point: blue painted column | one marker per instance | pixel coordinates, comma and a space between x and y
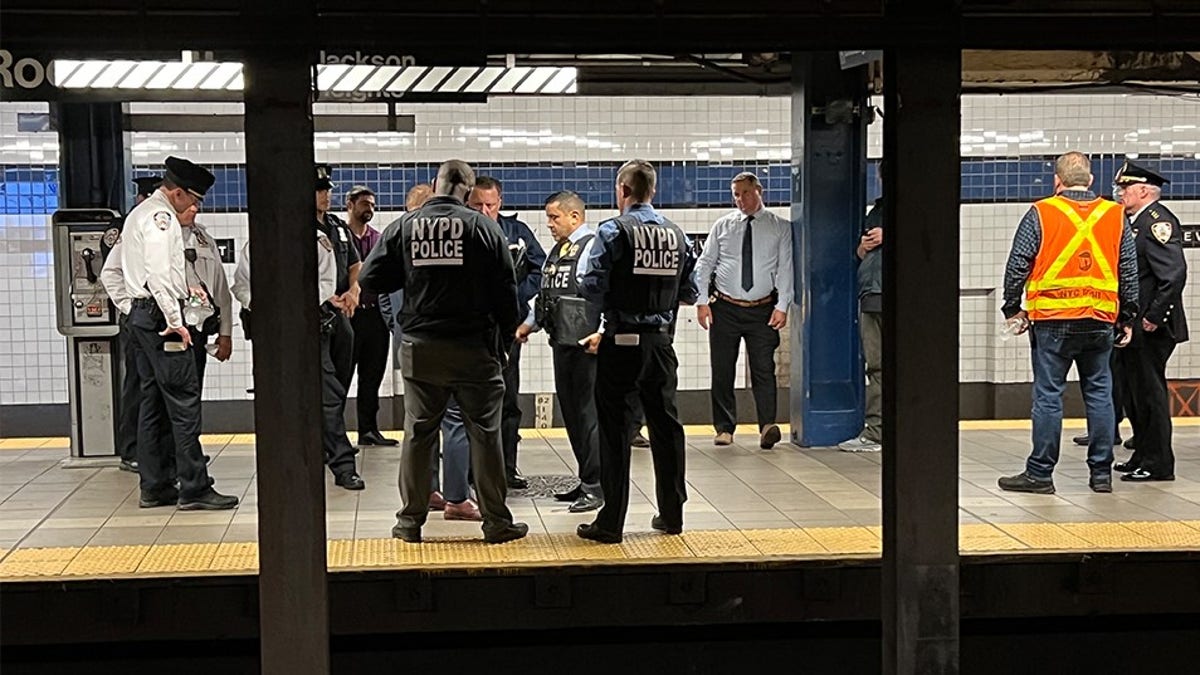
828, 206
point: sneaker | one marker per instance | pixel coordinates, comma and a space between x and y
129, 465
859, 444
1101, 484
150, 500
464, 511
723, 438
436, 501
209, 500
1023, 482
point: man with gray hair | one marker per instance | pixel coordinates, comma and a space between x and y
1074, 258
460, 306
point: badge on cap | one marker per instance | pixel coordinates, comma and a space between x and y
1161, 231
162, 220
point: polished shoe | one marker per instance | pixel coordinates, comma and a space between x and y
1100, 483
1023, 482
770, 436
723, 438
570, 495
660, 524
129, 465
1144, 476
1130, 444
209, 500
464, 511
510, 533
640, 441
517, 482
410, 534
585, 503
376, 438
436, 501
150, 500
593, 532
349, 480
1125, 467
1084, 439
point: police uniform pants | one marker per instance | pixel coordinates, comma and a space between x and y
646, 373
469, 370
1146, 373
371, 342
170, 396
339, 453
341, 346
575, 383
131, 395
510, 424
730, 325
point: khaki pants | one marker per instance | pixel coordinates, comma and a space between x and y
870, 327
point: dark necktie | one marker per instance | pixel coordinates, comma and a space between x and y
748, 256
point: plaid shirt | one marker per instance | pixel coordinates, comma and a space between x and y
1026, 244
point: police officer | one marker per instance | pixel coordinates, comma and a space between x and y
348, 266
153, 264
1161, 324
209, 308
460, 307
568, 318
639, 271
487, 197
339, 452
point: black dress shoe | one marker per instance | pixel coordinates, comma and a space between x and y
129, 465
585, 503
593, 532
1144, 476
517, 482
1023, 482
1125, 467
1085, 440
640, 441
510, 533
1129, 444
209, 500
376, 438
660, 524
410, 534
350, 480
150, 500
569, 495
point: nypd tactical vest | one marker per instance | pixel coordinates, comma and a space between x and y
647, 281
559, 308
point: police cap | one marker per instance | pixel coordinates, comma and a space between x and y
323, 177
146, 185
189, 176
1132, 174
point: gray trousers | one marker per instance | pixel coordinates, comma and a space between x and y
434, 370
870, 328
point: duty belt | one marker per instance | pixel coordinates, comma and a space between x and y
769, 300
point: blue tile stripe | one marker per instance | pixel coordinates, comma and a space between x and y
33, 189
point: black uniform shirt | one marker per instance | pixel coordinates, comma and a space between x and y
344, 251
454, 266
1162, 270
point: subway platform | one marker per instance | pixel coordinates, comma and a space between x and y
745, 504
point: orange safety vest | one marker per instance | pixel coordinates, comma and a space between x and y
1074, 274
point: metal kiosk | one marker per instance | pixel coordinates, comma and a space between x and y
88, 319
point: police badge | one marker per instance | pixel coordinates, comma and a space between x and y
162, 220
325, 242
111, 236
1161, 231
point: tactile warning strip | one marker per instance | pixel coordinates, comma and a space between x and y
637, 548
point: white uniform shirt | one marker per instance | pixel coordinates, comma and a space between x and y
152, 256
209, 271
326, 272
112, 277
772, 243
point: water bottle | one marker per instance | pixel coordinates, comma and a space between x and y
1011, 327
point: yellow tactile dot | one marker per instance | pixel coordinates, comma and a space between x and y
105, 560
239, 556
216, 440
1194, 524
646, 546
386, 553
171, 558
37, 562
569, 547
339, 553
846, 540
720, 544
1045, 536
784, 542
458, 551
990, 544
242, 439
1166, 534
1108, 535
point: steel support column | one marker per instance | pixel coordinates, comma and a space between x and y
920, 361
92, 155
293, 594
828, 205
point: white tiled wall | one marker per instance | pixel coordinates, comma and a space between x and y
32, 354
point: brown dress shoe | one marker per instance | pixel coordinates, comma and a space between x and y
723, 438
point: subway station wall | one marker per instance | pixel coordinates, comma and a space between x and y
536, 146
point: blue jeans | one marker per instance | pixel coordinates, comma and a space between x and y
1052, 358
456, 454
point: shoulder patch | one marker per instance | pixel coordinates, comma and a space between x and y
162, 220
342, 234
1161, 231
111, 236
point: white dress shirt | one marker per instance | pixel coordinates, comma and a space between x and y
326, 272
208, 270
152, 256
772, 242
